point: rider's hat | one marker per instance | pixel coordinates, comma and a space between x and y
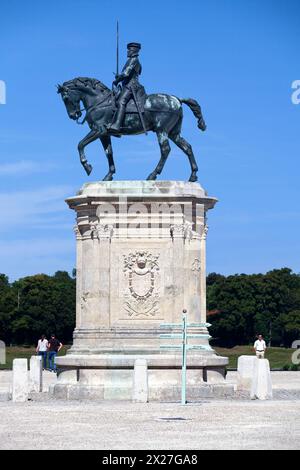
133, 45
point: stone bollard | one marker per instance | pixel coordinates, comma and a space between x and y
245, 369
36, 374
261, 387
140, 381
20, 380
2, 353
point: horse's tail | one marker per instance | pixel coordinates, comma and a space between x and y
195, 107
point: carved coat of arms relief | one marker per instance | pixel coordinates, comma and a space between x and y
141, 297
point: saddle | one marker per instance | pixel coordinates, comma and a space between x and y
131, 107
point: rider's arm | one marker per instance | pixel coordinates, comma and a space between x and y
128, 68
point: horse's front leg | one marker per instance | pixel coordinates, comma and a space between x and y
106, 142
90, 137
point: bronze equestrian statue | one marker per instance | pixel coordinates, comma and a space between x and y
128, 111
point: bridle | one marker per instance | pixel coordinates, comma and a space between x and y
90, 108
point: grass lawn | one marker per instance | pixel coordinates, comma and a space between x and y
21, 353
278, 357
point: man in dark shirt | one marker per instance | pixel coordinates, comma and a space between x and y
54, 346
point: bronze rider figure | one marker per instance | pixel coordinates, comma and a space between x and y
130, 80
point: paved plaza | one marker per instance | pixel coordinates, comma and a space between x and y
123, 425
236, 423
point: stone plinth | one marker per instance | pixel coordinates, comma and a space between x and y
245, 371
140, 381
261, 387
20, 380
140, 262
36, 374
2, 352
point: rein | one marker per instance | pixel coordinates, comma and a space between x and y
90, 108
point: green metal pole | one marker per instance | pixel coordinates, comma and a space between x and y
184, 336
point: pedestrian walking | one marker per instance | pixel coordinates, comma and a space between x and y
54, 346
41, 349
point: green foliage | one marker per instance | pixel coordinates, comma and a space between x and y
37, 305
241, 306
245, 305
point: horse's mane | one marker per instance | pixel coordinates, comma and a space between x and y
86, 81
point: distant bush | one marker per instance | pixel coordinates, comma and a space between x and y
292, 367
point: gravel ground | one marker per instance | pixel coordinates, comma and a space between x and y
234, 423
216, 424
282, 380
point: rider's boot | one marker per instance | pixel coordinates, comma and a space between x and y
115, 127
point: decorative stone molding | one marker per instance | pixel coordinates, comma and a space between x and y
83, 300
141, 296
204, 232
184, 230
196, 265
77, 232
101, 231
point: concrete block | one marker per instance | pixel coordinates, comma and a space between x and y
140, 381
245, 369
261, 387
20, 380
36, 374
2, 353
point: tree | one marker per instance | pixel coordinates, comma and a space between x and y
7, 305
47, 305
251, 304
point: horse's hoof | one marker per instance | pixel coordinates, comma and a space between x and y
202, 125
152, 177
108, 177
88, 168
193, 178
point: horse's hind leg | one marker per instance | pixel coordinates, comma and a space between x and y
106, 142
164, 151
187, 149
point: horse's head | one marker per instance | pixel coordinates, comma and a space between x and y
80, 89
71, 96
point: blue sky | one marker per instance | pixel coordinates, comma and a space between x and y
237, 58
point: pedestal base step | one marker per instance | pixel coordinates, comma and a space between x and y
162, 394
109, 377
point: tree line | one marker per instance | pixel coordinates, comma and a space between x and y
239, 307
242, 306
36, 305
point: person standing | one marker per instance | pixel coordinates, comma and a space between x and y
54, 346
260, 347
42, 348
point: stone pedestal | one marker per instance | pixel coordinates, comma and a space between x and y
36, 374
140, 381
261, 387
20, 380
140, 262
245, 371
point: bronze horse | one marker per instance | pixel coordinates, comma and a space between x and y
162, 114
